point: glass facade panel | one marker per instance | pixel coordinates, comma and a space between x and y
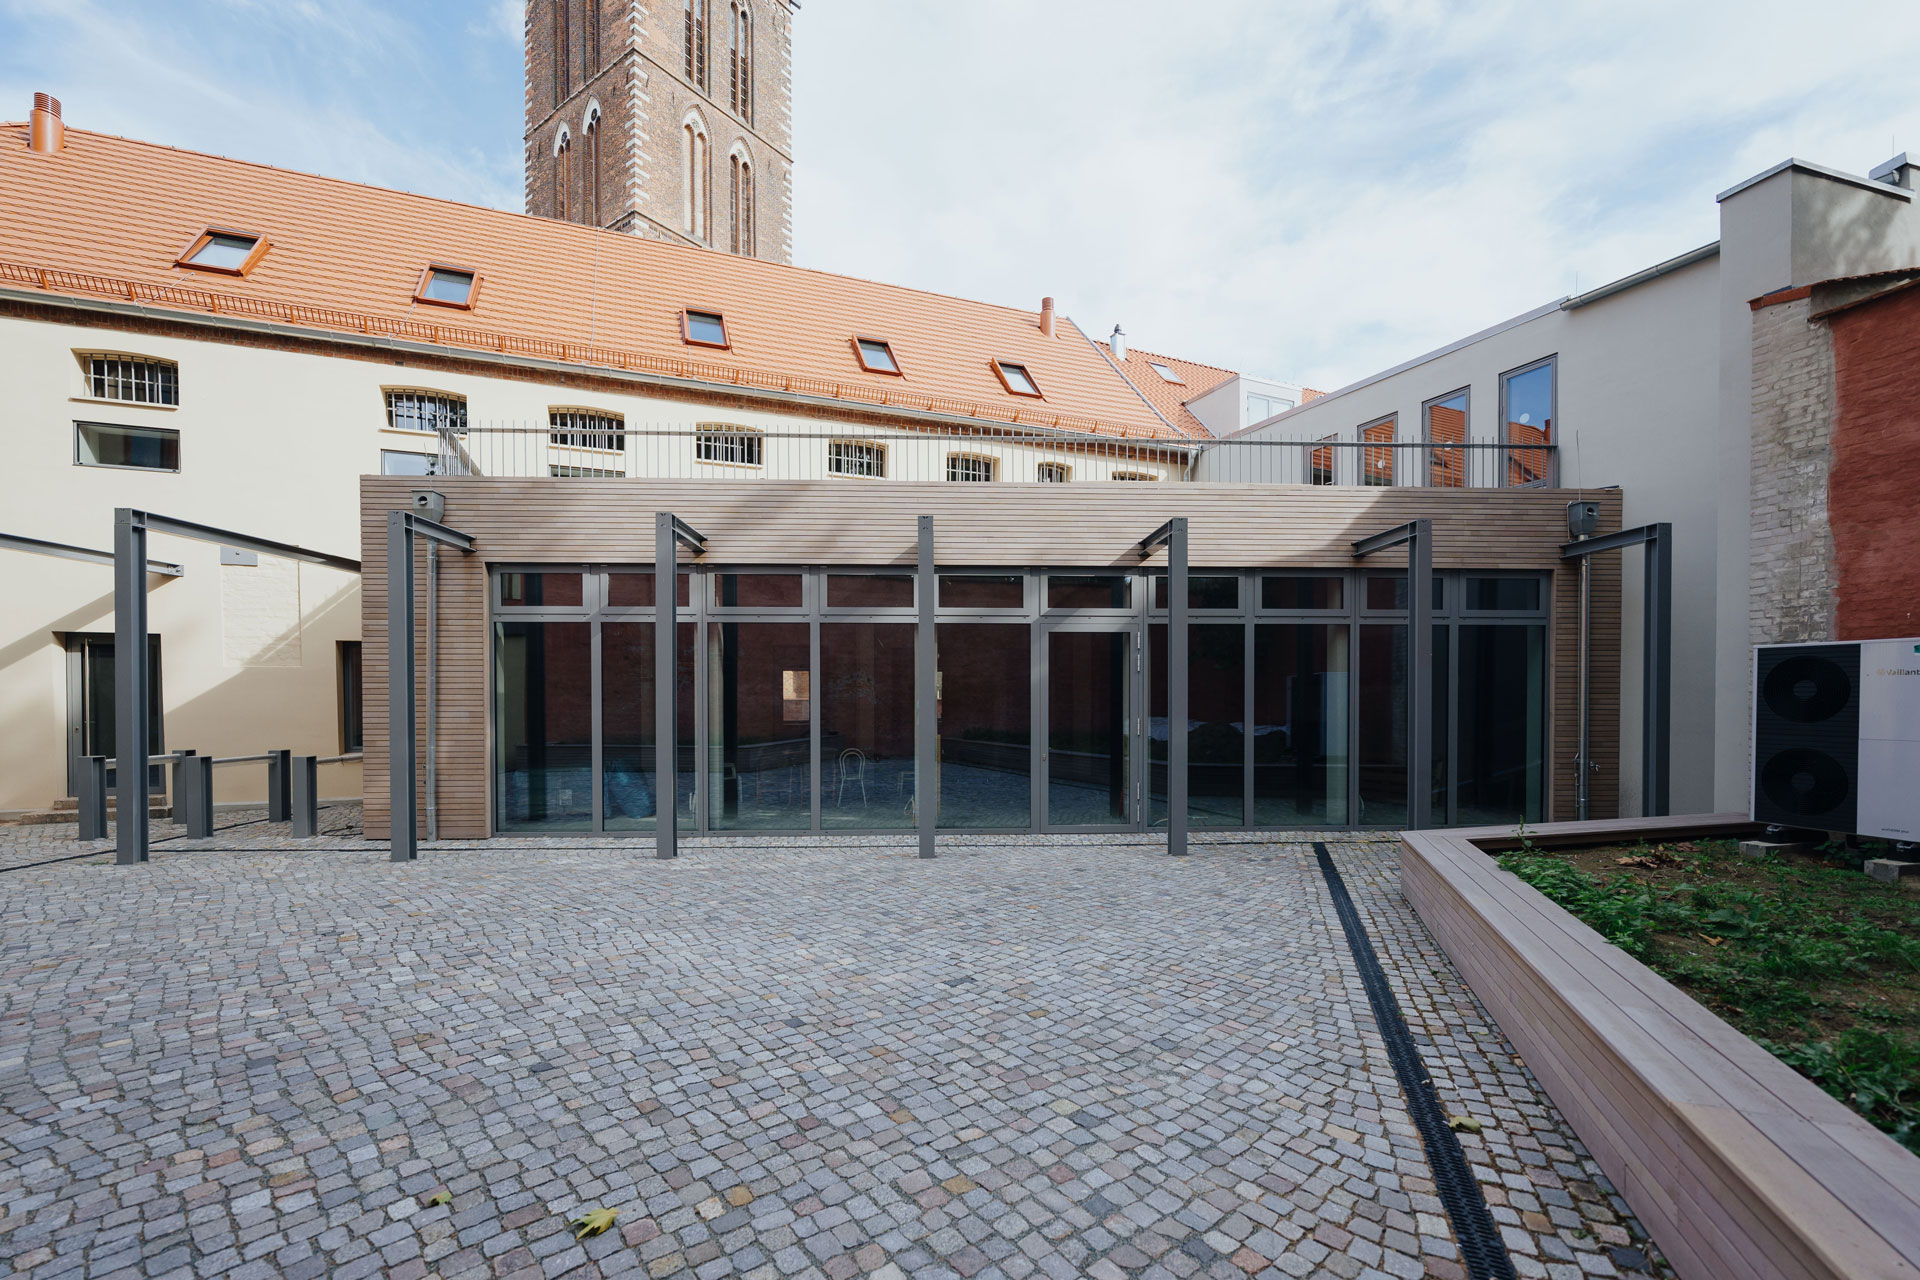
1528, 397
1502, 767
870, 591
1216, 723
1447, 426
1504, 595
986, 725
1301, 687
635, 590
1382, 753
628, 794
983, 591
529, 590
1089, 592
1089, 746
1384, 592
760, 726
866, 724
1210, 592
1302, 593
757, 590
543, 731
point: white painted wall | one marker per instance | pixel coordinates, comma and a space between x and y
1224, 409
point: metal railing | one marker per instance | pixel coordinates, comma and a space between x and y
731, 451
293, 793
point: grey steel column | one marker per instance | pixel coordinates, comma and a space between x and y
130, 681
93, 798
196, 791
303, 795
1657, 682
1420, 675
1176, 686
1583, 683
666, 715
279, 785
926, 702
403, 837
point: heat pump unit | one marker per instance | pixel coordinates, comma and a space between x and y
1836, 737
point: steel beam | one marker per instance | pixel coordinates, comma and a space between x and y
41, 547
1177, 664
246, 542
303, 794
1656, 686
130, 684
926, 684
1417, 535
195, 796
403, 837
279, 785
666, 712
93, 798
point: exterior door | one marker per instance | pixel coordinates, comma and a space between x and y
1090, 759
90, 716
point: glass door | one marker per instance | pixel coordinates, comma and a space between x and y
1090, 761
90, 708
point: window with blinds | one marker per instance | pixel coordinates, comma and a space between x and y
133, 380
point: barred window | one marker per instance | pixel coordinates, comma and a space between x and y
969, 467
1133, 475
133, 380
426, 411
853, 458
1053, 473
586, 429
555, 469
737, 445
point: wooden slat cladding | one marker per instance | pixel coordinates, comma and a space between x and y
1740, 1168
850, 522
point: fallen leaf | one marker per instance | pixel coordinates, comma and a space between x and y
593, 1222
1710, 940
1463, 1124
442, 1196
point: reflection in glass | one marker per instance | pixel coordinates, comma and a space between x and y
1300, 691
870, 591
986, 725
982, 591
1382, 756
866, 724
1216, 720
1390, 592
756, 590
1529, 420
543, 707
635, 590
1089, 592
760, 725
1213, 592
1502, 724
1504, 595
1447, 425
527, 589
1302, 593
628, 799
1089, 761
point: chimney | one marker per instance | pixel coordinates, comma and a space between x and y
46, 134
1118, 343
1046, 316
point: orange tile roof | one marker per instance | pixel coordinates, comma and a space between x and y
109, 215
1170, 398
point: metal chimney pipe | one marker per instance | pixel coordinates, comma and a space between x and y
46, 132
1046, 316
1118, 343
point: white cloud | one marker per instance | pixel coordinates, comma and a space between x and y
1314, 189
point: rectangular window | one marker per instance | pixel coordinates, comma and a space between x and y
1302, 593
586, 429
876, 356
757, 590
983, 591
703, 328
1053, 473
1016, 379
735, 446
969, 467
1216, 720
426, 411
1527, 408
133, 380
1211, 592
985, 697
543, 726
1320, 464
1260, 408
100, 444
1301, 688
1089, 592
1378, 459
1137, 476
1166, 373
599, 473
1504, 595
852, 458
350, 714
866, 725
1446, 428
447, 287
869, 591
532, 590
760, 744
231, 253
396, 463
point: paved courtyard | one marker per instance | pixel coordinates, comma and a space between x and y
260, 1057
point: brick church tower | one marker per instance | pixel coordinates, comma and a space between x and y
664, 118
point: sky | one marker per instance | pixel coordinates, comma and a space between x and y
1309, 189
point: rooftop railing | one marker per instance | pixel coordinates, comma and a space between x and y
587, 449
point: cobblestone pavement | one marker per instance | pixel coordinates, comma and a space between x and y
796, 1058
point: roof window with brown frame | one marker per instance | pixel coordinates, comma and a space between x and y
1016, 379
704, 329
444, 286
228, 252
876, 356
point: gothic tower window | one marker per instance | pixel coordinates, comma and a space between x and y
562, 50
740, 201
695, 40
740, 61
562, 179
699, 200
591, 54
590, 195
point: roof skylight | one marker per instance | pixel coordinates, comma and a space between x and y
1167, 373
1016, 379
447, 286
876, 356
704, 328
231, 253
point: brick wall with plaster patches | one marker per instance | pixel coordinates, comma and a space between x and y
1791, 580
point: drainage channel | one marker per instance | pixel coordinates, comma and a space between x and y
1481, 1247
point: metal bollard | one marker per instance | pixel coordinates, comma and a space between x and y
304, 794
92, 786
196, 796
279, 802
179, 781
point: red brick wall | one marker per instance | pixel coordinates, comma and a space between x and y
1871, 493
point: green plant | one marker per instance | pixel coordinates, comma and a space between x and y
1872, 1072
